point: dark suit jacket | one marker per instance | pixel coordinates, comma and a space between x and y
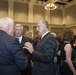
25, 51
43, 56
28, 71
11, 56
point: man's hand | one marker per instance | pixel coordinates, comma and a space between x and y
29, 47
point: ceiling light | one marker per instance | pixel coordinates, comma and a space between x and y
50, 6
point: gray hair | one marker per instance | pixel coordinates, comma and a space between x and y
45, 22
19, 25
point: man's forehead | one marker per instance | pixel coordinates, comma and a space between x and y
18, 27
40, 24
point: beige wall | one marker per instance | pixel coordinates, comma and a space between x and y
38, 13
20, 12
56, 17
3, 8
70, 15
57, 30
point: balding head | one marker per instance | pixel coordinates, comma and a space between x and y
44, 22
7, 25
42, 27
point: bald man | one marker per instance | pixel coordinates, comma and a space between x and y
43, 55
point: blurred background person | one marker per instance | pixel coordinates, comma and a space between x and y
43, 55
67, 56
22, 39
55, 58
54, 35
74, 49
12, 59
36, 40
28, 34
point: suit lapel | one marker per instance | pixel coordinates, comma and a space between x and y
45, 35
22, 39
43, 38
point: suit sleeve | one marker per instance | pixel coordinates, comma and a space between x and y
47, 52
18, 56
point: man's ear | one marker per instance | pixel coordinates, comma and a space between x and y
8, 28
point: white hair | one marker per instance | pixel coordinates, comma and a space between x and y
5, 20
7, 25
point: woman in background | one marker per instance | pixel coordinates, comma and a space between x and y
67, 56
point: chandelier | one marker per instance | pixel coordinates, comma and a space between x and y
50, 6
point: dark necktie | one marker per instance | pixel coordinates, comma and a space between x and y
18, 39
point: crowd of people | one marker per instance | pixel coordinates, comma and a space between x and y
21, 54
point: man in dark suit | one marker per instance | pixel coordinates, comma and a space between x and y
43, 55
12, 59
22, 40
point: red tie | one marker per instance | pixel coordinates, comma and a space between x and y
39, 40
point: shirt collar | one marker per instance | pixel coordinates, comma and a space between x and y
20, 38
3, 30
44, 34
